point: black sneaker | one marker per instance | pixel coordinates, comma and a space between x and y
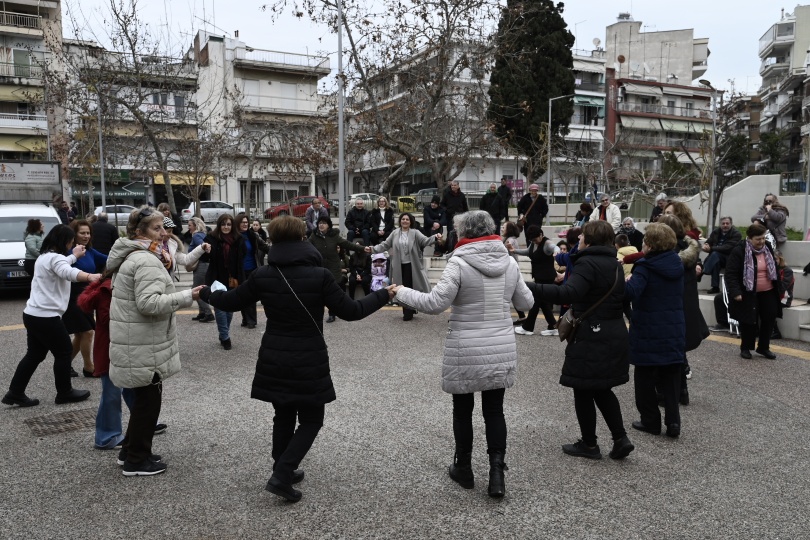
199, 316
19, 399
160, 428
276, 487
72, 397
208, 318
580, 449
621, 448
146, 468
122, 458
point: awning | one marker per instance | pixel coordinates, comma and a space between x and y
115, 193
643, 90
185, 179
679, 126
683, 158
589, 101
687, 92
590, 67
22, 94
15, 143
419, 169
635, 122
588, 135
640, 154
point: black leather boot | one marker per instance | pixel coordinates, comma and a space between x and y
497, 486
461, 470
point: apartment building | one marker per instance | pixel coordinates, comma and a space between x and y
274, 98
25, 26
784, 52
741, 116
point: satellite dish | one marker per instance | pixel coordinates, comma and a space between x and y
617, 66
596, 42
620, 58
634, 66
646, 68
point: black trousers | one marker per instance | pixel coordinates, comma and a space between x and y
407, 280
365, 283
249, 315
44, 335
667, 379
143, 416
290, 445
585, 403
494, 422
767, 309
546, 307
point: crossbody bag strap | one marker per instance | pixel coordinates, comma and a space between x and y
300, 302
596, 305
531, 206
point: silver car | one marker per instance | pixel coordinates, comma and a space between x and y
210, 211
116, 212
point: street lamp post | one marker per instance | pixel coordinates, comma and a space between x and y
341, 163
713, 186
548, 169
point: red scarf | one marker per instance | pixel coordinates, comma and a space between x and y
228, 241
465, 241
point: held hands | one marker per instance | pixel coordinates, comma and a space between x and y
438, 236
79, 251
195, 292
392, 290
367, 249
206, 247
92, 278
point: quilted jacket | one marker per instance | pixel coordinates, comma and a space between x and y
481, 282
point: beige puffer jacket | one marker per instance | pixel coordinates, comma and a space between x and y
143, 339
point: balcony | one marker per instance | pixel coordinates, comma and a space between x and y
663, 110
805, 131
587, 120
28, 124
280, 105
789, 104
806, 103
591, 87
780, 33
774, 65
21, 71
699, 68
20, 24
281, 61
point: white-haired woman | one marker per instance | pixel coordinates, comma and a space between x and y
198, 230
481, 282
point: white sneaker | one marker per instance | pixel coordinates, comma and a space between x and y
521, 331
554, 332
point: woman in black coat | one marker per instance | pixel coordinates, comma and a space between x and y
292, 371
596, 359
382, 221
226, 265
752, 281
327, 240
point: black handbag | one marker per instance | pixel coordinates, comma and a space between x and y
567, 326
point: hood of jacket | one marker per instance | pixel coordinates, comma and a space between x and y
489, 257
120, 251
688, 251
666, 264
294, 254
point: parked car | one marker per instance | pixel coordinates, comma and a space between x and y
299, 207
13, 221
116, 212
424, 196
210, 210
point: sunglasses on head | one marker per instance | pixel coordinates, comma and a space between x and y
146, 212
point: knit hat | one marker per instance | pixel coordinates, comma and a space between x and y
325, 219
534, 186
168, 224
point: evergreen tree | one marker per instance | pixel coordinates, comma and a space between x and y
533, 63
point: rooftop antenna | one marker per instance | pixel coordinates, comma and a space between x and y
596, 43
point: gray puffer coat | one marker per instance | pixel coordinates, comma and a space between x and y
143, 338
481, 282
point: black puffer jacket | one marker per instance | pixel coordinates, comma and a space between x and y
293, 364
598, 357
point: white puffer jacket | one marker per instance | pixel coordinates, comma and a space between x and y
143, 339
481, 281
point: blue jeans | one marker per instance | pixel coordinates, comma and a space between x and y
712, 266
109, 431
223, 323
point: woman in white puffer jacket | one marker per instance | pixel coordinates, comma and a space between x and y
481, 282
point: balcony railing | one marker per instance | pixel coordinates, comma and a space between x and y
789, 103
663, 142
20, 20
586, 120
276, 57
591, 87
598, 53
652, 108
35, 121
778, 32
20, 70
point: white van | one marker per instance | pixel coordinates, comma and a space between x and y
13, 222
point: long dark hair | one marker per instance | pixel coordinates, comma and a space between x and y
34, 226
217, 233
57, 239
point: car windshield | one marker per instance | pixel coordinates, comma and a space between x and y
12, 229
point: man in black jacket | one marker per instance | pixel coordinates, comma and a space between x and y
491, 203
104, 234
358, 223
505, 193
541, 251
454, 202
718, 246
532, 208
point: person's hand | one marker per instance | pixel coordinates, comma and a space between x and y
738, 298
706, 247
367, 249
79, 251
627, 277
92, 278
438, 236
195, 292
768, 207
206, 247
559, 278
392, 291
698, 270
358, 278
510, 248
436, 226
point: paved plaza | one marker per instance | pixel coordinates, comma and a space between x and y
379, 467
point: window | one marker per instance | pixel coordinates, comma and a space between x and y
160, 99
179, 106
289, 94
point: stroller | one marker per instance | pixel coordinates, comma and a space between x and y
733, 324
379, 272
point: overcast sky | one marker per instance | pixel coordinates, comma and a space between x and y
732, 26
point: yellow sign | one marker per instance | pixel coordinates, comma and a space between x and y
184, 179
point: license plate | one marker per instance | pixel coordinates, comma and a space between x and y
18, 273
